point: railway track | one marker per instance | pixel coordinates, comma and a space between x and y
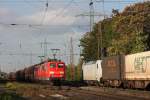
98, 95
73, 93
111, 96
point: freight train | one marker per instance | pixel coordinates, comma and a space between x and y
49, 70
127, 71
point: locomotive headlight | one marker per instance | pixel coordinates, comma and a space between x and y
51, 72
61, 72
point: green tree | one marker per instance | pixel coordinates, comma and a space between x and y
124, 33
68, 74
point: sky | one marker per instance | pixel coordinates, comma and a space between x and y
26, 24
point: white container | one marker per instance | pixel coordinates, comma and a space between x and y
92, 71
137, 66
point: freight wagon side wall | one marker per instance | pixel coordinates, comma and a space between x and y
111, 68
89, 72
137, 66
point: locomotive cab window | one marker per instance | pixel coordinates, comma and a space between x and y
52, 65
60, 65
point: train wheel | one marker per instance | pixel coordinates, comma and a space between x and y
148, 87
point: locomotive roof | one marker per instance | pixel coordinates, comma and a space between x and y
36, 65
49, 60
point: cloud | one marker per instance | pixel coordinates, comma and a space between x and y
7, 16
51, 18
56, 29
4, 12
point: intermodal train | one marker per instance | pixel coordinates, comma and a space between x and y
45, 71
127, 71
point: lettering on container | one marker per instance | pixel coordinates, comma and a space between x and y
140, 63
112, 65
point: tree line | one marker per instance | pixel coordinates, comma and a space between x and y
124, 32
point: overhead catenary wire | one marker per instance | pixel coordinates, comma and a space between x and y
45, 12
44, 16
121, 1
62, 11
37, 25
64, 1
30, 3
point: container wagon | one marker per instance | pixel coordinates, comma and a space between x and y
130, 71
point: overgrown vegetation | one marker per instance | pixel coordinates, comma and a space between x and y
11, 86
26, 89
76, 71
124, 33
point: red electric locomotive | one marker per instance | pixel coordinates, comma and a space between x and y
51, 70
45, 71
